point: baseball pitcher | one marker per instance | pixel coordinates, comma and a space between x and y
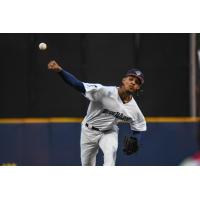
108, 106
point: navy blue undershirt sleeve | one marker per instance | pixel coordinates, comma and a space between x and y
138, 135
72, 81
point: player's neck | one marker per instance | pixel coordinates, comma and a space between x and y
125, 97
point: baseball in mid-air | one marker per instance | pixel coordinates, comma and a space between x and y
42, 46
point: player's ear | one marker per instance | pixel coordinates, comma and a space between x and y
138, 87
123, 79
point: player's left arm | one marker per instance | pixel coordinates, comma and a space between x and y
138, 129
137, 135
132, 143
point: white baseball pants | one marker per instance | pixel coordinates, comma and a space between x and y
92, 140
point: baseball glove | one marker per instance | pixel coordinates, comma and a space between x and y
130, 145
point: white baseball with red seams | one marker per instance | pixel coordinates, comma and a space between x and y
42, 46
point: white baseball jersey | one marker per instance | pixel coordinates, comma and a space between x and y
106, 109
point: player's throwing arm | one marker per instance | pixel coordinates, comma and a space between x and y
66, 76
108, 106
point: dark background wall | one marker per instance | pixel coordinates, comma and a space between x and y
29, 90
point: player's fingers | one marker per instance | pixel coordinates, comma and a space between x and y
51, 61
50, 67
51, 64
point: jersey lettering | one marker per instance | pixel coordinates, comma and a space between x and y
117, 115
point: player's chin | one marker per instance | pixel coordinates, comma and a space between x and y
131, 91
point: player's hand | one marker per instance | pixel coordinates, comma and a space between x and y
54, 66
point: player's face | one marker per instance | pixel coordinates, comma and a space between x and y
131, 84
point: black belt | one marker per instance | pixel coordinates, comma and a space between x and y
92, 127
